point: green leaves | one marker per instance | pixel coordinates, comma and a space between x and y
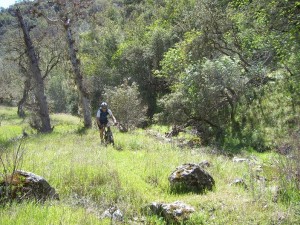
126, 104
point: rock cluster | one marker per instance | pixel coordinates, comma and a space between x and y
113, 213
173, 213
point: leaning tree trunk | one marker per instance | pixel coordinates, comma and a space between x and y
84, 97
39, 90
21, 103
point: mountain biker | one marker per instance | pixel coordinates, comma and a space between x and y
102, 120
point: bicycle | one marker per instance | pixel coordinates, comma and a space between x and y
108, 136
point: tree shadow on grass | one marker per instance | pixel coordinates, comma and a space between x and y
81, 130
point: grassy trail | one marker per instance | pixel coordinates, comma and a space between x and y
90, 177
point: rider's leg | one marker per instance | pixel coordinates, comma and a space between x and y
108, 126
101, 134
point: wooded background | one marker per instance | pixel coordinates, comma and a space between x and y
229, 69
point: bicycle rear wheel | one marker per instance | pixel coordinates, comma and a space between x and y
110, 138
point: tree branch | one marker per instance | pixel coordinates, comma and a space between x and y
50, 66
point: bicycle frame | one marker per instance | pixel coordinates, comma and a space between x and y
108, 136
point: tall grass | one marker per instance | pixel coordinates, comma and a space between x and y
31, 213
90, 177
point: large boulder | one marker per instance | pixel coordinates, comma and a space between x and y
25, 185
190, 177
173, 213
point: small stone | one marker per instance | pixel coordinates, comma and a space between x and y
204, 164
239, 182
238, 160
113, 213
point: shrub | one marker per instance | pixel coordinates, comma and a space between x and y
126, 103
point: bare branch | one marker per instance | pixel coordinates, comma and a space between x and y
53, 62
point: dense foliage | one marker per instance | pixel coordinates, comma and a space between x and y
127, 105
227, 68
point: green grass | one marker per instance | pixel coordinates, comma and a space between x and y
10, 125
34, 214
90, 177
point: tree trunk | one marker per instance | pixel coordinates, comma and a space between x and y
21, 112
84, 97
37, 78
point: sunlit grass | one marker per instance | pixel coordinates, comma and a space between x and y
10, 125
90, 177
36, 214
7, 132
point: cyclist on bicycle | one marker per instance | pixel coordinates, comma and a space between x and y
102, 120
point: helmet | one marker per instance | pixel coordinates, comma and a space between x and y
104, 105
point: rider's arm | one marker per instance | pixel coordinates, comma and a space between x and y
115, 121
112, 116
98, 116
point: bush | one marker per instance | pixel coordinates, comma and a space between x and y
207, 95
126, 104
